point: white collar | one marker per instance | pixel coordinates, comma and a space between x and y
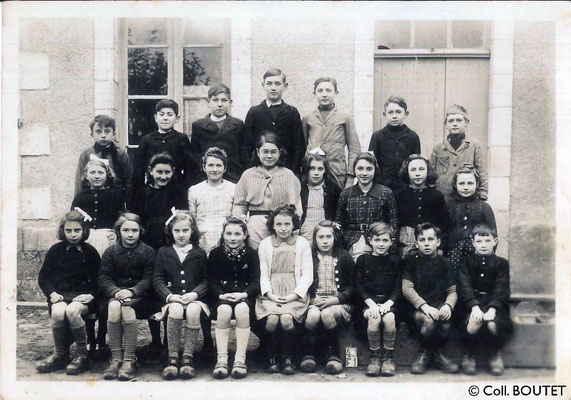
269, 103
217, 119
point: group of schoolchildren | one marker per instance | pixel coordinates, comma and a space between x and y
266, 223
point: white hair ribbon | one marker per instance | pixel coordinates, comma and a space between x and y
85, 215
173, 211
93, 157
317, 150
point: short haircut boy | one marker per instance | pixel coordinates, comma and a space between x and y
274, 72
396, 100
167, 103
426, 226
456, 109
215, 90
322, 79
484, 230
380, 228
103, 121
72, 216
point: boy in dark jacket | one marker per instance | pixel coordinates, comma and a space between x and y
220, 129
484, 290
275, 115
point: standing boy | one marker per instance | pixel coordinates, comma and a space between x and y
220, 129
164, 140
393, 144
449, 156
105, 147
275, 115
429, 284
332, 129
484, 290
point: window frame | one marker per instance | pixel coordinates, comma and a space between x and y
175, 56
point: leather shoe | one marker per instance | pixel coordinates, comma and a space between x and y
272, 367
239, 370
469, 364
287, 367
77, 365
187, 370
420, 365
445, 364
53, 363
112, 370
308, 364
128, 371
170, 372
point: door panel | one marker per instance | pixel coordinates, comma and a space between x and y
429, 86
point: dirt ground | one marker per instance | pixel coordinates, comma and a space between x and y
35, 343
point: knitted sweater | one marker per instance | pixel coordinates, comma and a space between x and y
284, 186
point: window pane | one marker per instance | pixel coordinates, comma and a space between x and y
141, 119
204, 31
147, 31
430, 35
392, 35
148, 71
468, 34
202, 66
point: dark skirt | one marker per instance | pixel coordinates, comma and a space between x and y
144, 306
249, 301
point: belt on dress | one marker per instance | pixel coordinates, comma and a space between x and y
259, 212
358, 227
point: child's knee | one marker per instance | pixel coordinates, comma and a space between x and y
328, 317
312, 319
193, 314
473, 327
73, 311
114, 311
224, 313
242, 312
286, 320
128, 313
272, 322
176, 310
389, 321
427, 327
58, 312
493, 328
372, 323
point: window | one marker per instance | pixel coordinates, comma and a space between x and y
170, 58
432, 38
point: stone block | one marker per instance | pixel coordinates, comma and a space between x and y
500, 126
35, 203
500, 158
501, 90
503, 227
104, 60
503, 30
34, 139
499, 192
502, 60
39, 238
104, 94
34, 71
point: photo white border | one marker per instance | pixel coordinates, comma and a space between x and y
559, 12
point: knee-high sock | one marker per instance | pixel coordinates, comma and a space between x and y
80, 336
389, 339
60, 342
115, 330
374, 339
193, 340
173, 334
130, 340
332, 340
222, 343
242, 337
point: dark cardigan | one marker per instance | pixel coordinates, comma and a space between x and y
69, 272
379, 278
344, 275
331, 193
431, 277
392, 146
123, 268
464, 215
230, 138
103, 206
287, 125
168, 276
225, 276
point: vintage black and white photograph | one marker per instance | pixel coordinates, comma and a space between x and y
285, 200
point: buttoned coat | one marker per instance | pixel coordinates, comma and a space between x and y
230, 138
170, 276
446, 161
332, 135
124, 268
